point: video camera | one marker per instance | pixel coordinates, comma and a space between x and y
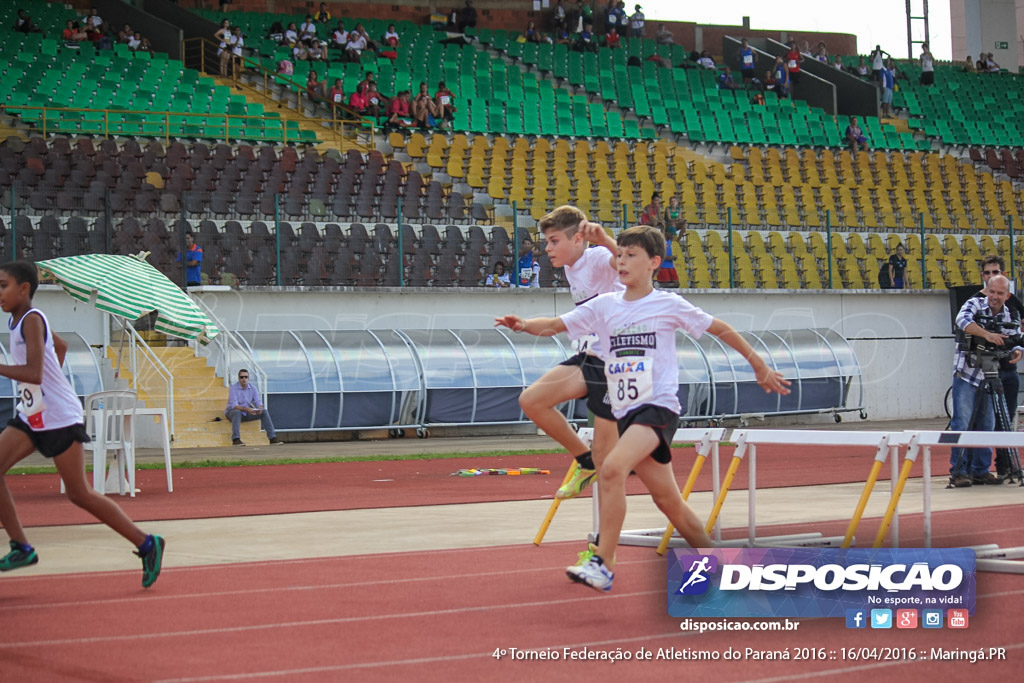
980, 348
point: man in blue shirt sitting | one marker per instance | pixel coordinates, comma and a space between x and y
244, 405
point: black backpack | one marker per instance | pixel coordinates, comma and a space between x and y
883, 276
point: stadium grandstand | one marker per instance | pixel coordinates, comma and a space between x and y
112, 144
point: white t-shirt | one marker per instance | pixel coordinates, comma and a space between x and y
639, 342
61, 406
340, 37
308, 30
291, 36
133, 43
238, 45
358, 43
876, 61
591, 276
94, 21
389, 35
927, 63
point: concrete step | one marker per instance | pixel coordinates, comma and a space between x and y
218, 434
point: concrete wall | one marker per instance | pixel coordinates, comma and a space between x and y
902, 339
68, 315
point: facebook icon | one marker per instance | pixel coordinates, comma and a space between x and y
856, 618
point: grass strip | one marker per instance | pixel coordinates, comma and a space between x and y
193, 464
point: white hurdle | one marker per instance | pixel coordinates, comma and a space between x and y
886, 445
706, 441
990, 557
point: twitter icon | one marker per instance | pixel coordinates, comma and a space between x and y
881, 618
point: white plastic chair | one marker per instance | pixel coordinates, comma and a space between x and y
110, 423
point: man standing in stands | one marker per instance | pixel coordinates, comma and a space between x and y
529, 269
636, 24
467, 18
888, 83
193, 261
793, 59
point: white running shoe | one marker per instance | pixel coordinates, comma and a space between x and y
593, 574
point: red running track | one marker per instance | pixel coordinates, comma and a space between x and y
438, 616
236, 491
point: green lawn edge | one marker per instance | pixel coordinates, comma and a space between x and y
191, 464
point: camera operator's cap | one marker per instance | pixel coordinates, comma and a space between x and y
638, 7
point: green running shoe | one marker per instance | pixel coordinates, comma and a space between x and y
18, 558
581, 480
584, 556
151, 562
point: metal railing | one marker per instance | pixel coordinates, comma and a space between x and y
226, 349
346, 126
146, 366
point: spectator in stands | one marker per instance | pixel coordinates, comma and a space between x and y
336, 95
300, 51
821, 54
585, 41
558, 18
611, 19
339, 36
898, 267
888, 84
862, 68
636, 23
746, 61
317, 50
391, 35
444, 103
364, 85
529, 268
725, 80
780, 76
706, 61
423, 110
398, 112
969, 65
357, 42
224, 5
316, 88
586, 16
993, 67
226, 49
855, 136
126, 33
675, 225
375, 101
531, 33
308, 28
837, 62
193, 261
135, 41
94, 20
467, 17
793, 60
877, 61
144, 46
357, 101
73, 33
927, 66
291, 36
622, 21
652, 213
498, 278
245, 405
222, 33
562, 37
664, 36
23, 23
613, 40
322, 16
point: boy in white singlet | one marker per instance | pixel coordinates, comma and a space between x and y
637, 329
590, 272
49, 419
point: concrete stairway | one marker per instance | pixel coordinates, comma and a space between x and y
199, 397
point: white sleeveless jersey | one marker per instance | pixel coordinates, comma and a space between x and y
62, 406
640, 341
590, 276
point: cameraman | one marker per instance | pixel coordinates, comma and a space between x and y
975, 464
991, 266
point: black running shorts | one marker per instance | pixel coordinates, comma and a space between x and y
52, 442
592, 368
662, 420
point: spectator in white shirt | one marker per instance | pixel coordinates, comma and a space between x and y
355, 46
308, 28
340, 36
291, 36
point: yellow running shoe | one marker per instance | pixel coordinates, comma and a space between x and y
581, 480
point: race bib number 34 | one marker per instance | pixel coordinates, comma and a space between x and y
630, 381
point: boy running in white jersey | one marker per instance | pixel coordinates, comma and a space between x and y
49, 419
637, 329
590, 272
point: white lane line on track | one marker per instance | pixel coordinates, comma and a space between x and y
306, 587
411, 662
311, 622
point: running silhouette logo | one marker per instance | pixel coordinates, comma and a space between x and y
697, 576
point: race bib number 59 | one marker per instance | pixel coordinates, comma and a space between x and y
630, 382
31, 403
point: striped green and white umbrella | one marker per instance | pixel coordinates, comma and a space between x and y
130, 287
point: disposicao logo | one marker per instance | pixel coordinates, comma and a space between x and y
818, 582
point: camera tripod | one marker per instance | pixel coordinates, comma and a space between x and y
991, 390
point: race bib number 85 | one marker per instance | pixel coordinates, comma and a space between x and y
630, 382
